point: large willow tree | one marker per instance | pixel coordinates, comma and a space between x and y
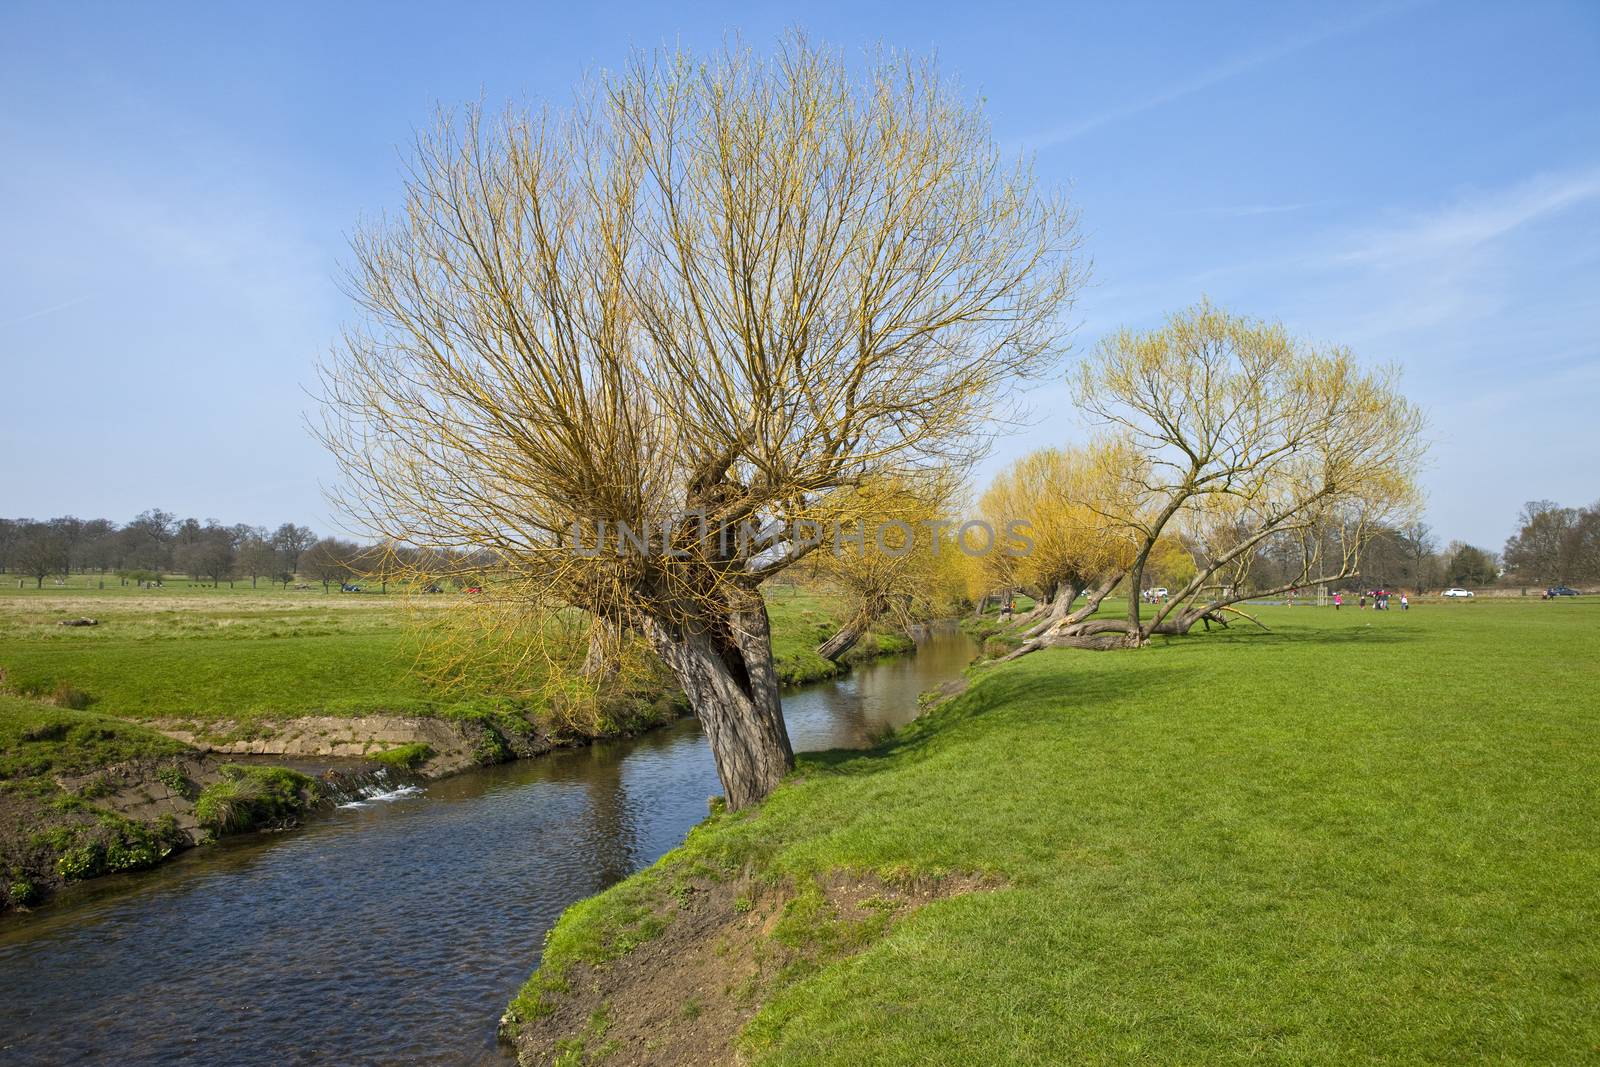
729, 289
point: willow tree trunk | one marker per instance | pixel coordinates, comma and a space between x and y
725, 666
1065, 594
845, 639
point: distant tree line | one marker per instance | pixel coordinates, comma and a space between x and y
152, 544
1555, 545
156, 543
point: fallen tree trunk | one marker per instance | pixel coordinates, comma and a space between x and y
1104, 634
1095, 643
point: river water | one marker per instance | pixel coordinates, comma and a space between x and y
395, 932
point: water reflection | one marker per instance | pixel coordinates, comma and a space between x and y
392, 933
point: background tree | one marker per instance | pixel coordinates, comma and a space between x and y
381, 563
221, 554
68, 530
147, 541
188, 558
148, 545
1547, 549
1245, 440
1171, 564
1586, 553
1422, 550
1469, 565
10, 534
290, 541
729, 288
888, 551
255, 557
330, 560
1066, 498
41, 551
98, 546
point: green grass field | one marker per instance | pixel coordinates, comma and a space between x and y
1362, 837
205, 655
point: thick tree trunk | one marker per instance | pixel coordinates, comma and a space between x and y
1057, 610
726, 670
1041, 605
836, 646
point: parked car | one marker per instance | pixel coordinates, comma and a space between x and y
1560, 590
1457, 592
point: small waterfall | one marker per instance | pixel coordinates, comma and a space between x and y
347, 789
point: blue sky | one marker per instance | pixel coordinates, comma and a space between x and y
1420, 181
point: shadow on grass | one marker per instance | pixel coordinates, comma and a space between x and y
1026, 692
1051, 685
1239, 635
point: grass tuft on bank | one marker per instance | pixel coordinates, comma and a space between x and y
1360, 837
252, 797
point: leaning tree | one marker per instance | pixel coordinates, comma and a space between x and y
605, 345
1241, 439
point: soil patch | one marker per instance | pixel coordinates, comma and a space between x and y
684, 996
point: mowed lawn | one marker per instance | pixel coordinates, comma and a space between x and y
1363, 837
240, 655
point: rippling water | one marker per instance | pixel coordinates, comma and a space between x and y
393, 932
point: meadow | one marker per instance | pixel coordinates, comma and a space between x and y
1361, 837
198, 654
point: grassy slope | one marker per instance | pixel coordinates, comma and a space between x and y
205, 655
38, 741
1363, 837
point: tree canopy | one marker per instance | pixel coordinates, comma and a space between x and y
709, 297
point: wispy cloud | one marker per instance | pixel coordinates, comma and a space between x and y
1474, 222
42, 312
1246, 211
1206, 79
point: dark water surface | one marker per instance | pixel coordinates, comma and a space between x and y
392, 933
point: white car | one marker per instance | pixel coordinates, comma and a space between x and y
1457, 592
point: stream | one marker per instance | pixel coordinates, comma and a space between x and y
393, 932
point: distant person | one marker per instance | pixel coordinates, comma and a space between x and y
1405, 602
1338, 601
1363, 602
